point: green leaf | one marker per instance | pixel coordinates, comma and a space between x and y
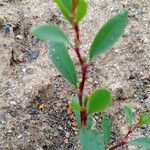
129, 114
88, 123
142, 142
91, 140
66, 9
145, 119
68, 5
82, 10
106, 126
108, 34
86, 100
50, 33
75, 105
99, 100
61, 59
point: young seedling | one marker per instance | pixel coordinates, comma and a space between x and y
84, 105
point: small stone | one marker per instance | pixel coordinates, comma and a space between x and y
19, 37
60, 128
131, 77
34, 111
66, 141
116, 50
25, 126
147, 102
1, 4
143, 127
2, 120
145, 97
67, 134
33, 54
13, 112
8, 29
124, 130
90, 80
38, 99
34, 41
24, 70
20, 136
13, 103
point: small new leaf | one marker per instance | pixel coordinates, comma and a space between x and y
145, 119
142, 142
108, 34
75, 105
61, 59
129, 114
91, 140
106, 126
82, 10
50, 33
67, 9
99, 100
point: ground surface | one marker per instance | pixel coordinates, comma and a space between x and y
28, 79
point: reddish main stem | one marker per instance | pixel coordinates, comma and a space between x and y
123, 141
84, 66
77, 43
83, 114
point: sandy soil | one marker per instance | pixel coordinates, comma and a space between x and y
33, 96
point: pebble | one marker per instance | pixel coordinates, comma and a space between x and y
38, 99
66, 141
19, 37
124, 129
1, 4
13, 103
147, 102
13, 112
2, 120
60, 128
90, 80
34, 41
131, 77
33, 54
8, 29
34, 111
67, 134
24, 70
20, 136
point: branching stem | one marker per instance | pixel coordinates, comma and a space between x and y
123, 140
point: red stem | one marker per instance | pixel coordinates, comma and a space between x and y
123, 140
84, 66
119, 144
77, 43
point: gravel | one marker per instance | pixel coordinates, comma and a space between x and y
34, 98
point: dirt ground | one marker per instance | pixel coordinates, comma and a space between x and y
33, 96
